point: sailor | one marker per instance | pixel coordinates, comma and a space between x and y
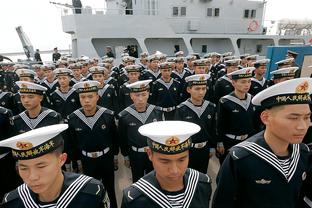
108, 63
92, 137
133, 74
35, 115
201, 112
283, 74
107, 93
216, 66
77, 77
285, 63
166, 92
9, 178
180, 73
228, 61
40, 75
85, 69
251, 59
236, 115
7, 76
24, 75
201, 66
143, 62
152, 72
56, 55
50, 82
122, 77
189, 62
269, 168
133, 145
258, 82
6, 99
171, 184
244, 62
39, 160
64, 99
224, 85
179, 54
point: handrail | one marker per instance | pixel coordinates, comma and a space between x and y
106, 11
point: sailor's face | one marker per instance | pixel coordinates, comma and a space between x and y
63, 81
26, 79
40, 72
201, 69
197, 92
154, 64
295, 119
133, 76
41, 173
30, 101
139, 98
260, 70
49, 74
88, 100
166, 73
98, 77
77, 73
242, 85
169, 169
179, 65
231, 68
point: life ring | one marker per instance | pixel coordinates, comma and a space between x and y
253, 26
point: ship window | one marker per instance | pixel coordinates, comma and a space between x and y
183, 11
209, 12
175, 11
217, 12
246, 13
253, 13
259, 48
204, 48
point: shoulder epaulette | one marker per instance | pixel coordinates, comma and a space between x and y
110, 112
204, 178
11, 196
238, 153
131, 193
93, 187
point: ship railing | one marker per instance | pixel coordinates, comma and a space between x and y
105, 11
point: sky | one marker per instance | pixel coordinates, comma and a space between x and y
41, 21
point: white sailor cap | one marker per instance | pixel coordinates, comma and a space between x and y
162, 56
199, 62
35, 143
178, 59
284, 62
105, 65
25, 73
71, 60
294, 91
197, 79
241, 73
36, 66
139, 86
229, 58
124, 54
169, 137
191, 57
144, 54
262, 62
173, 59
215, 54
153, 58
165, 65
30, 88
97, 70
74, 66
179, 53
244, 55
226, 54
86, 86
63, 72
133, 68
284, 72
252, 57
20, 66
232, 62
207, 55
292, 53
126, 59
48, 66
108, 60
